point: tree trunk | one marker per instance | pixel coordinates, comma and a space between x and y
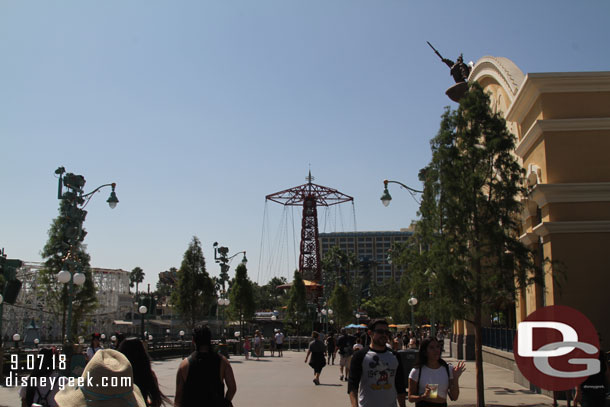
478, 350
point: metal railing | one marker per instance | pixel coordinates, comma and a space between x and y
499, 338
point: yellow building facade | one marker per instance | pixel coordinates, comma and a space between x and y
562, 123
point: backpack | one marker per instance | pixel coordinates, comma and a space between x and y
42, 400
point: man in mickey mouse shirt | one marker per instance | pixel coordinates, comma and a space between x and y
376, 376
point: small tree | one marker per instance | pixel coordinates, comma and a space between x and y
296, 310
194, 291
470, 216
341, 303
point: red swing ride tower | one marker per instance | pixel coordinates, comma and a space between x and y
310, 196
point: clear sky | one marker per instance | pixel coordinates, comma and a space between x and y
198, 109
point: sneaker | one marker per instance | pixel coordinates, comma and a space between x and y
341, 378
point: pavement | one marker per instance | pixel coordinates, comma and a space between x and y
287, 381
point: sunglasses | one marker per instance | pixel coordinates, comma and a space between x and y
382, 332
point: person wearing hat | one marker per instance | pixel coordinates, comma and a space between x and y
203, 375
107, 381
94, 347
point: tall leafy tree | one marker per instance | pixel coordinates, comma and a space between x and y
241, 295
337, 266
194, 291
136, 276
470, 216
65, 251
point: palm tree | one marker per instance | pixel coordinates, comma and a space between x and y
136, 277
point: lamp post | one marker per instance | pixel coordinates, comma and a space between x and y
223, 302
412, 302
357, 318
221, 256
75, 214
16, 339
182, 340
386, 197
327, 313
142, 310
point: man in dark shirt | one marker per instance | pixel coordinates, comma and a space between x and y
376, 375
203, 374
345, 347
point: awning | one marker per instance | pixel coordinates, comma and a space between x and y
159, 322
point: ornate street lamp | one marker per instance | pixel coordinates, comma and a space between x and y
73, 230
386, 197
223, 302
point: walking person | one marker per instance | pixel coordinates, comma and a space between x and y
247, 347
317, 350
330, 349
376, 377
432, 379
344, 346
592, 392
272, 345
258, 344
279, 343
40, 390
143, 375
203, 375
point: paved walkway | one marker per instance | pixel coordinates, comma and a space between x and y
287, 381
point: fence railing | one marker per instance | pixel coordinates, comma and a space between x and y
499, 338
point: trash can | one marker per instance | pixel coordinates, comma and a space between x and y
407, 360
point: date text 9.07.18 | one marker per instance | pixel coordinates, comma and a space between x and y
37, 362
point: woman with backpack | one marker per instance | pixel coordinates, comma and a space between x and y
432, 379
36, 392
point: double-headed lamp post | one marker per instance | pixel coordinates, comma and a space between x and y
75, 214
328, 313
412, 302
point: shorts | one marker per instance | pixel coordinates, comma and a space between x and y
344, 360
279, 346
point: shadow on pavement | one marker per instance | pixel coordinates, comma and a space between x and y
321, 384
504, 390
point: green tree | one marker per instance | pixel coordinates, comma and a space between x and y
241, 295
64, 250
194, 291
470, 214
268, 297
296, 310
167, 280
341, 303
136, 276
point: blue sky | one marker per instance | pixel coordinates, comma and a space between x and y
198, 109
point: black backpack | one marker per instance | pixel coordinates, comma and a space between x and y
42, 400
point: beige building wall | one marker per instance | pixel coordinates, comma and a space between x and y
562, 122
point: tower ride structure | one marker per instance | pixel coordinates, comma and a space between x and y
310, 196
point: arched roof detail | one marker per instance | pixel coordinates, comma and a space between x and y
501, 70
